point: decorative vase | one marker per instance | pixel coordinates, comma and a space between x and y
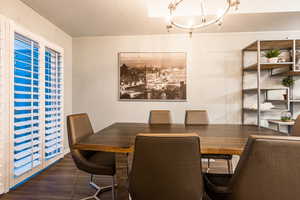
285, 96
273, 60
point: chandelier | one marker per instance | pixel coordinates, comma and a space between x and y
205, 20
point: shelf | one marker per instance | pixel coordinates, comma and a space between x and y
277, 101
270, 44
274, 121
271, 110
289, 73
284, 101
263, 89
295, 100
268, 66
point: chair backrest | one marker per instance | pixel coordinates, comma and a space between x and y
196, 117
166, 166
79, 126
296, 127
160, 117
269, 169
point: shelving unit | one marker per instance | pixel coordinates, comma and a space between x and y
280, 69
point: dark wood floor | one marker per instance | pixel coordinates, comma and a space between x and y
63, 181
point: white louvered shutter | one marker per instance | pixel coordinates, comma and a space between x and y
26, 105
53, 104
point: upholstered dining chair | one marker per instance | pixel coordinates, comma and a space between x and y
160, 117
94, 163
166, 166
196, 117
200, 117
269, 169
296, 128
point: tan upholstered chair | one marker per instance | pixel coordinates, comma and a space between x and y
166, 167
269, 169
94, 163
160, 117
196, 117
200, 117
296, 128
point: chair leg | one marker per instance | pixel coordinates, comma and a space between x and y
229, 166
208, 165
113, 188
99, 189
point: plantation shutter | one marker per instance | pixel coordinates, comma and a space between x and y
53, 104
27, 134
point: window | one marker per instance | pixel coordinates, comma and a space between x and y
53, 104
27, 134
31, 104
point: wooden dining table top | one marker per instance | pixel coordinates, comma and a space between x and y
214, 138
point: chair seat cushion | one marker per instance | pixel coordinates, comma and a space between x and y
216, 185
218, 179
217, 156
102, 163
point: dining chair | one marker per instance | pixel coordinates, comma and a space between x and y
196, 117
167, 166
268, 170
94, 163
200, 117
160, 117
296, 127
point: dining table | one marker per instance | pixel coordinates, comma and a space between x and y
120, 137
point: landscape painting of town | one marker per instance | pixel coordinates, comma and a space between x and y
152, 76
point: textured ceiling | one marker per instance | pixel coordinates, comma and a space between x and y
130, 17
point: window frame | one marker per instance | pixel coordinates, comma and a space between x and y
4, 104
43, 43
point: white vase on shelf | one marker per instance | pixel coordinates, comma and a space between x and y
273, 60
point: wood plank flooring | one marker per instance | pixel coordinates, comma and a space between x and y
63, 181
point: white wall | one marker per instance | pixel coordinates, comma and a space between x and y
32, 21
214, 75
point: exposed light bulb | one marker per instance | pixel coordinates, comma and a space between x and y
219, 13
169, 23
191, 23
169, 27
203, 11
234, 2
220, 22
237, 5
168, 19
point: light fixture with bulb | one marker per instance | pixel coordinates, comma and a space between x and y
191, 26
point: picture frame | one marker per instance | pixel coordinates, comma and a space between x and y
152, 76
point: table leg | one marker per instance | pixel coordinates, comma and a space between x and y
122, 176
289, 130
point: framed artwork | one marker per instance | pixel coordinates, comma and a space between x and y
152, 76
